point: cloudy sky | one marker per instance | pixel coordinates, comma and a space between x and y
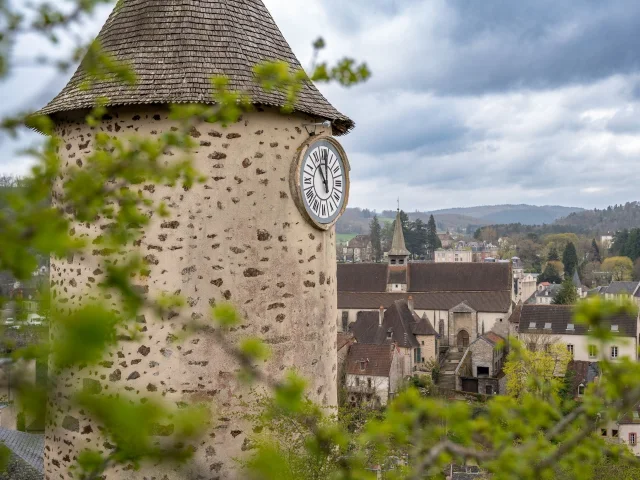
471, 102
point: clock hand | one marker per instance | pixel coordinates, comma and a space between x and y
326, 170
324, 176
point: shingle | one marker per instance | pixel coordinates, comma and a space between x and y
398, 320
561, 316
621, 288
176, 46
376, 360
362, 277
456, 277
479, 301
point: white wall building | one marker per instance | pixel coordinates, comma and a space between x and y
453, 256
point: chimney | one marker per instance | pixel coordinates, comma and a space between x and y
380, 316
410, 302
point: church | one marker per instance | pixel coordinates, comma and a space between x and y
462, 301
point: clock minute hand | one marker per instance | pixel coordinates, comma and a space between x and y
323, 175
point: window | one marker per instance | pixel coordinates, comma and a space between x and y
547, 326
369, 382
345, 321
570, 349
362, 365
357, 381
614, 352
488, 390
532, 347
417, 355
389, 334
632, 438
614, 433
422, 342
532, 325
603, 432
570, 327
593, 352
581, 390
483, 371
614, 328
393, 261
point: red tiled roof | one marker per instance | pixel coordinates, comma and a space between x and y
377, 359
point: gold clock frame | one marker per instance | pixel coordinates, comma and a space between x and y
296, 188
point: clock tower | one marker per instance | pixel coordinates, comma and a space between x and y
250, 235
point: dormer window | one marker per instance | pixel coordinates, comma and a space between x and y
614, 328
532, 325
581, 389
571, 327
389, 334
547, 326
363, 365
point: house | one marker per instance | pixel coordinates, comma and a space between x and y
524, 284
555, 323
625, 431
373, 373
481, 364
414, 337
343, 343
545, 293
457, 255
622, 290
358, 249
583, 374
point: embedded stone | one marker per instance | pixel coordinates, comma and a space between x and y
71, 424
133, 376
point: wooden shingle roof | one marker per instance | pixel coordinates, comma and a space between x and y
176, 46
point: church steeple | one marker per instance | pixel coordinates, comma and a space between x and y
398, 253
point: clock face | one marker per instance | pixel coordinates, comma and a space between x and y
323, 181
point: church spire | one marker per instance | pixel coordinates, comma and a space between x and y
398, 253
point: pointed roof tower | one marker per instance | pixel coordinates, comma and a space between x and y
176, 46
398, 249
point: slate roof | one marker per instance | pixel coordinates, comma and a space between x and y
362, 277
398, 275
621, 288
28, 446
176, 46
398, 248
398, 320
426, 277
424, 327
377, 360
584, 373
550, 291
458, 277
479, 301
535, 317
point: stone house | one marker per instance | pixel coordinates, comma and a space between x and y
415, 338
373, 373
622, 290
626, 430
555, 323
482, 362
359, 249
545, 293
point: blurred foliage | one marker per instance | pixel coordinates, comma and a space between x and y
525, 436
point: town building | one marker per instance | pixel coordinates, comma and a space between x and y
358, 249
448, 256
481, 365
626, 430
546, 324
415, 338
240, 236
622, 291
373, 373
545, 293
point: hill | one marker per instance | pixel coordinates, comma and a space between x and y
610, 219
356, 220
523, 214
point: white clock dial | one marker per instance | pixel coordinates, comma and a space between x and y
323, 182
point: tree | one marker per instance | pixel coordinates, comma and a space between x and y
433, 241
620, 268
550, 274
570, 259
419, 234
387, 235
375, 231
489, 235
567, 295
536, 356
553, 254
636, 270
595, 252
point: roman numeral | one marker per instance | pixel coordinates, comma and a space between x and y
336, 169
324, 209
309, 194
315, 157
336, 196
308, 181
337, 182
316, 205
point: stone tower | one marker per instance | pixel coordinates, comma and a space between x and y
239, 237
398, 254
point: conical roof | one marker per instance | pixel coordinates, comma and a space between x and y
398, 247
176, 46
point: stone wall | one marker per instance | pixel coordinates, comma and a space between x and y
18, 469
237, 238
